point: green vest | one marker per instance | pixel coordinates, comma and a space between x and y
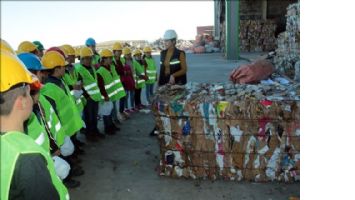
69, 115
53, 122
89, 82
113, 85
37, 132
13, 144
151, 71
95, 59
139, 70
71, 79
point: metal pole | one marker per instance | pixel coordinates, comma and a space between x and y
232, 29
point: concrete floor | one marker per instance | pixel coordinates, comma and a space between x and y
124, 166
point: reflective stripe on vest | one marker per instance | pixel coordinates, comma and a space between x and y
112, 81
16, 144
66, 107
89, 82
40, 139
52, 121
174, 62
37, 131
138, 70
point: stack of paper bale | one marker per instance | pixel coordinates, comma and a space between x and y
288, 44
257, 35
227, 131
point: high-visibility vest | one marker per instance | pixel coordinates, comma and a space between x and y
52, 120
89, 82
95, 60
37, 132
139, 70
14, 144
71, 78
68, 113
112, 81
151, 71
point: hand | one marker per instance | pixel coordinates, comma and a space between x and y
107, 99
56, 153
172, 80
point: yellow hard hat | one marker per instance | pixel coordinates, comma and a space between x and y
77, 52
13, 72
85, 52
147, 49
106, 53
136, 52
117, 46
68, 49
26, 47
52, 59
6, 47
126, 50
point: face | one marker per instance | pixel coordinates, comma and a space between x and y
117, 53
138, 57
168, 44
93, 48
128, 56
108, 61
42, 75
148, 54
40, 53
86, 61
71, 59
60, 71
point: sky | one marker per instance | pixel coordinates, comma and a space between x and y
72, 22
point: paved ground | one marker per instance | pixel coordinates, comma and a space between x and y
123, 166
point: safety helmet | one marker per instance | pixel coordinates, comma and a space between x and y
57, 49
68, 49
147, 49
170, 34
26, 47
90, 42
136, 52
126, 50
12, 72
86, 52
117, 46
52, 59
6, 47
106, 53
31, 61
39, 45
77, 52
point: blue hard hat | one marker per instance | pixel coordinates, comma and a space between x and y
90, 42
31, 61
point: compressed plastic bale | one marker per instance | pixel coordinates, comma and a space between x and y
211, 150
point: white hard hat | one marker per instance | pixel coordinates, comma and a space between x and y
170, 34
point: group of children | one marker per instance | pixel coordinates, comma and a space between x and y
69, 98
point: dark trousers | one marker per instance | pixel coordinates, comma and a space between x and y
90, 115
122, 103
107, 121
137, 97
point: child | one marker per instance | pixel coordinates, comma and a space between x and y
18, 181
128, 79
110, 87
150, 71
139, 78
